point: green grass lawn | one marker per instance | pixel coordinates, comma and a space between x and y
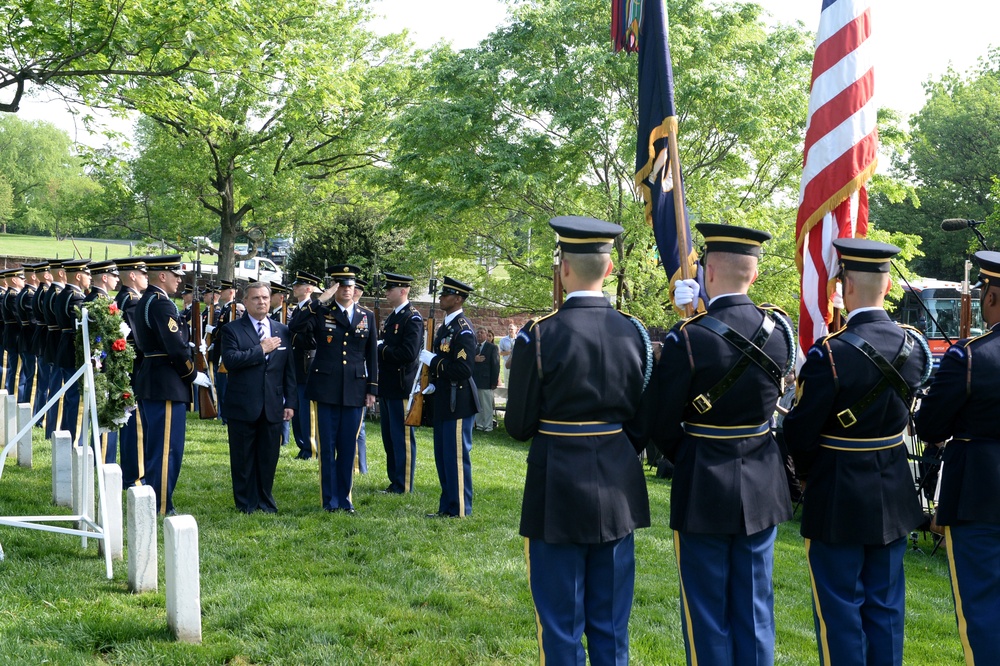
386, 586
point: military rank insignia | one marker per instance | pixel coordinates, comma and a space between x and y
329, 339
172, 326
462, 354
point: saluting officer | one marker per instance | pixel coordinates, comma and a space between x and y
576, 383
343, 380
718, 380
23, 307
450, 367
64, 306
134, 279
304, 350
399, 346
961, 409
163, 383
854, 395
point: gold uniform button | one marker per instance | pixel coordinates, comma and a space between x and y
345, 361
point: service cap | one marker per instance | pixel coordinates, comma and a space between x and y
732, 239
585, 235
453, 286
396, 280
865, 256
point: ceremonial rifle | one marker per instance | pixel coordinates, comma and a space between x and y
415, 408
207, 406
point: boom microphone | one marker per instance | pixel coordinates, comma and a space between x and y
959, 225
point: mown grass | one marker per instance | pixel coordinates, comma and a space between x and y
387, 586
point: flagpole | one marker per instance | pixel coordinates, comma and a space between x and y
680, 214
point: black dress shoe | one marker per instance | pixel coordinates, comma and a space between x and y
350, 511
303, 456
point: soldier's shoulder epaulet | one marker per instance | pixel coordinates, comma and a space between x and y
830, 336
464, 324
534, 322
632, 317
772, 308
412, 311
977, 338
691, 319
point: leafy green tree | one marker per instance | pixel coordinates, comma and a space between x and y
540, 120
6, 202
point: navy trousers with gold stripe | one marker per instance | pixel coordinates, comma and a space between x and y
973, 552
452, 448
26, 377
302, 425
582, 589
858, 602
400, 443
42, 390
337, 431
55, 383
727, 600
13, 365
163, 426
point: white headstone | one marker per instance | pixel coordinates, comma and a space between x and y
9, 423
24, 446
183, 580
62, 468
141, 523
3, 418
113, 496
83, 483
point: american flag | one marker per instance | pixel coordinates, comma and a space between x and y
840, 156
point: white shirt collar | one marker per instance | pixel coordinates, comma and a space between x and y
579, 294
400, 308
449, 318
858, 310
715, 298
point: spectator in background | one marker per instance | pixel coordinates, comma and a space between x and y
506, 347
486, 375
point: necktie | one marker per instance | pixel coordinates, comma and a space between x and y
261, 332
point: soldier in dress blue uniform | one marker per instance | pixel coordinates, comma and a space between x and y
576, 383
64, 307
961, 409
718, 381
41, 333
304, 349
343, 380
227, 312
23, 305
455, 402
279, 311
845, 432
162, 385
12, 327
361, 454
134, 279
399, 346
104, 280
52, 339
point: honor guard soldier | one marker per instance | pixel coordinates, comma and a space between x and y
304, 350
455, 403
103, 282
41, 333
845, 432
23, 305
12, 327
961, 409
576, 383
278, 311
226, 313
134, 279
52, 339
361, 457
343, 380
399, 347
186, 294
162, 386
718, 380
64, 306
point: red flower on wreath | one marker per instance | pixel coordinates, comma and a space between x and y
118, 345
126, 395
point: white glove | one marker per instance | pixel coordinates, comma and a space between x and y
426, 357
201, 379
686, 292
379, 343
837, 299
429, 390
201, 348
190, 344
208, 329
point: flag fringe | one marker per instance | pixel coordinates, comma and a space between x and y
668, 126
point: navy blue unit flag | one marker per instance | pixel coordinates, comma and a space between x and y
657, 165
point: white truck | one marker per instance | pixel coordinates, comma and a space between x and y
253, 269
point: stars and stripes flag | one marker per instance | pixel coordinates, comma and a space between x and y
839, 156
642, 25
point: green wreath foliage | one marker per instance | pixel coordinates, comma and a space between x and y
112, 359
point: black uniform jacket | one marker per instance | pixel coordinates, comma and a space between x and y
223, 315
451, 370
258, 384
166, 372
964, 404
720, 486
345, 368
854, 497
126, 299
24, 305
64, 306
38, 317
11, 321
303, 346
402, 340
579, 489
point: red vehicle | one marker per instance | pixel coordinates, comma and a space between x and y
940, 322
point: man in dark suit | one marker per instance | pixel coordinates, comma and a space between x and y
134, 279
576, 380
400, 344
455, 401
961, 409
716, 387
258, 352
845, 433
486, 375
303, 349
343, 380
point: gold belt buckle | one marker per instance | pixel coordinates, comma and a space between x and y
702, 404
846, 418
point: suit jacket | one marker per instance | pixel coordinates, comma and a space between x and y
854, 497
579, 489
402, 340
451, 371
720, 486
486, 373
257, 384
166, 371
345, 368
962, 404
